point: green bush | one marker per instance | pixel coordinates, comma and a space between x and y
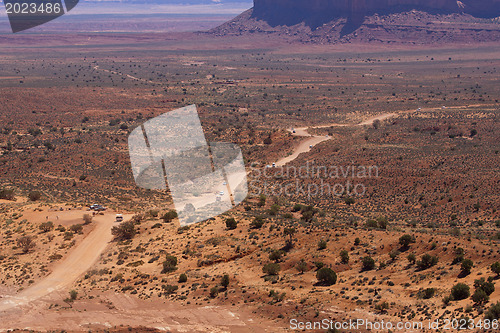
460, 291
214, 291
126, 230
275, 255
495, 268
170, 264
326, 276
302, 266
487, 286
367, 263
427, 261
271, 269
412, 258
7, 194
34, 195
169, 216
466, 267
224, 282
257, 223
170, 289
426, 293
231, 223
493, 312
480, 297
405, 241
46, 226
183, 278
322, 244
344, 256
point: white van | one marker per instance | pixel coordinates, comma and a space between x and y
119, 218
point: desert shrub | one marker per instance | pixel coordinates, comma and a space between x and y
277, 297
46, 226
371, 224
214, 291
73, 294
405, 241
288, 233
274, 209
466, 267
224, 282
322, 244
394, 254
344, 256
297, 207
326, 276
153, 213
126, 230
231, 223
480, 297
426, 293
117, 277
458, 259
257, 223
349, 201
114, 122
493, 312
169, 216
319, 265
87, 219
302, 266
68, 235
382, 222
76, 228
26, 243
34, 196
183, 278
271, 269
357, 241
412, 258
427, 261
275, 255
170, 264
7, 194
382, 307
460, 291
495, 268
368, 263
487, 286
170, 289
307, 214
262, 200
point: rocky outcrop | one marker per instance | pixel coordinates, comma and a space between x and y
385, 21
317, 12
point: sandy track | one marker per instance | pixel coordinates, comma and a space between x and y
306, 145
71, 268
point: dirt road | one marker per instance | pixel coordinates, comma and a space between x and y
306, 145
78, 261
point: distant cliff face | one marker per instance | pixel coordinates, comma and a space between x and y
317, 12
